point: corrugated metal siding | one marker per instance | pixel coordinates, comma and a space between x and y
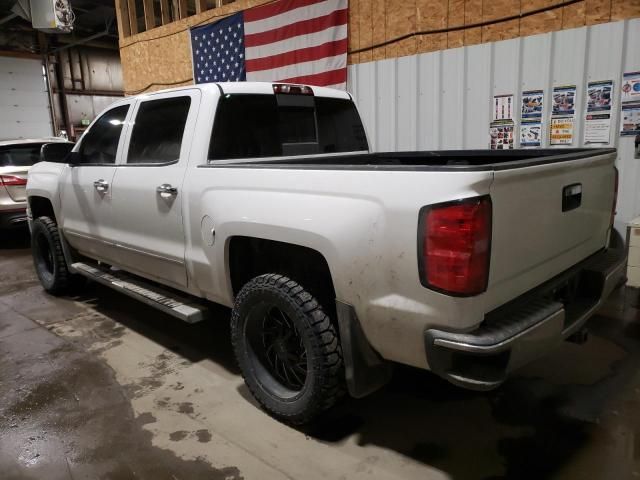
24, 102
442, 100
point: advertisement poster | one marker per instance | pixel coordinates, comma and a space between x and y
503, 107
530, 134
631, 87
561, 131
597, 127
501, 135
599, 96
532, 104
630, 119
564, 100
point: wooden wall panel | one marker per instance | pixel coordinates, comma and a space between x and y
378, 27
472, 14
496, 9
621, 9
431, 15
353, 30
574, 16
541, 22
456, 19
598, 11
162, 54
400, 20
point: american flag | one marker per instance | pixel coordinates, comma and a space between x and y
296, 41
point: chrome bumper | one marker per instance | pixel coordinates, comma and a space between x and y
526, 328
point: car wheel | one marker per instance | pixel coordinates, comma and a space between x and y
48, 258
287, 349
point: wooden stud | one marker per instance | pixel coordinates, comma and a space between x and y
133, 16
122, 17
573, 16
183, 8
378, 23
456, 19
165, 13
201, 6
431, 15
365, 28
149, 15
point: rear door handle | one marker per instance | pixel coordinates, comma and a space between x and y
101, 185
166, 189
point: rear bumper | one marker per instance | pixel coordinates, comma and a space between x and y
13, 218
526, 328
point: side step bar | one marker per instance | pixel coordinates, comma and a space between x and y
173, 303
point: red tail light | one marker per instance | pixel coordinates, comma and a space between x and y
12, 181
615, 196
455, 246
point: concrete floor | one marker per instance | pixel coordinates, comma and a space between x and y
100, 386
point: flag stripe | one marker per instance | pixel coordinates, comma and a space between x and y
301, 41
304, 27
299, 69
321, 79
276, 8
292, 16
318, 52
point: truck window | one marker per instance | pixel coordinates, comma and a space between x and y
255, 125
158, 130
100, 144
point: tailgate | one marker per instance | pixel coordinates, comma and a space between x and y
546, 218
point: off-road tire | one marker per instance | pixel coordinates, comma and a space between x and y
324, 382
50, 265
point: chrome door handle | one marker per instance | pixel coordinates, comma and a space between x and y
101, 185
167, 189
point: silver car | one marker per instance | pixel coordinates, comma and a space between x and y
16, 157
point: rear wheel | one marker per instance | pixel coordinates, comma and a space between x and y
287, 349
48, 257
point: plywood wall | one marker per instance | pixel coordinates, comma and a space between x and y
161, 57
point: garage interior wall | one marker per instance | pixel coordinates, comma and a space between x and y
92, 80
160, 57
24, 99
442, 100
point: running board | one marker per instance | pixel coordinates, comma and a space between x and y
179, 306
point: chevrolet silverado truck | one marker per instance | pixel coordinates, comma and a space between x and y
337, 262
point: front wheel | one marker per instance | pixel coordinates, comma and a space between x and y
48, 258
287, 349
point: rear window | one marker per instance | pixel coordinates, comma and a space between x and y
254, 126
20, 155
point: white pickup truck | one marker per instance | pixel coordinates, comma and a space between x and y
337, 262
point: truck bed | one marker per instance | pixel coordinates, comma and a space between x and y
440, 160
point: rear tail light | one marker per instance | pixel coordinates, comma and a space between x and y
292, 89
455, 246
615, 195
12, 181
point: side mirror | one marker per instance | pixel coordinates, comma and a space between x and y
56, 152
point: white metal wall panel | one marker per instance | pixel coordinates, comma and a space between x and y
24, 102
442, 100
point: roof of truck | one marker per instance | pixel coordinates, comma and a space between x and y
251, 87
23, 141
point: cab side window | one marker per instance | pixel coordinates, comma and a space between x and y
158, 131
100, 143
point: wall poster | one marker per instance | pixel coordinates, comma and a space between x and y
597, 122
561, 131
564, 100
599, 96
630, 87
630, 119
530, 134
501, 135
502, 107
532, 104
